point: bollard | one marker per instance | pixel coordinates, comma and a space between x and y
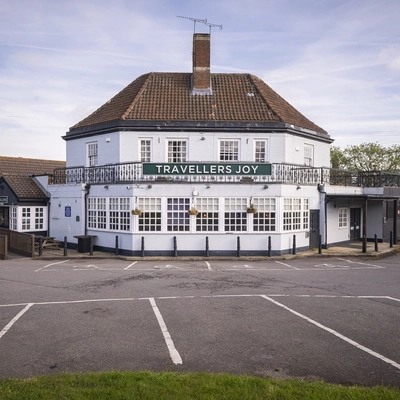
269, 246
207, 248
40, 246
142, 247
391, 239
376, 242
65, 246
116, 245
364, 244
294, 244
238, 247
319, 244
91, 245
175, 247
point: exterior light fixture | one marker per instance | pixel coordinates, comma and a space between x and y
265, 186
106, 187
298, 187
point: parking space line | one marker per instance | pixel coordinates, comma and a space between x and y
131, 265
287, 265
361, 263
15, 319
176, 358
208, 265
49, 265
333, 332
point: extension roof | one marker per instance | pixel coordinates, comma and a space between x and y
24, 187
237, 101
28, 166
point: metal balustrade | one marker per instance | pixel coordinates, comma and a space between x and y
280, 173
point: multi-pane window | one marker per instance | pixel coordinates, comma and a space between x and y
207, 218
342, 217
260, 151
178, 218
308, 154
119, 214
306, 214
39, 218
235, 218
265, 218
294, 210
13, 219
229, 150
97, 213
177, 151
26, 218
92, 154
145, 150
150, 219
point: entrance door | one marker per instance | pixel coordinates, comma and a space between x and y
4, 217
355, 223
314, 229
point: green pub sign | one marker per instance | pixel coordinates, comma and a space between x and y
206, 169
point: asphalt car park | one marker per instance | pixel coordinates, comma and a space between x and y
333, 319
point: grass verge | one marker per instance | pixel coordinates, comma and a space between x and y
174, 386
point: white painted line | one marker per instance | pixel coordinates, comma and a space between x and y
131, 265
337, 334
176, 358
49, 265
15, 319
287, 265
208, 266
357, 262
392, 298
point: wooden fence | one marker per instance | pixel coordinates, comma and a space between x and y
20, 243
3, 247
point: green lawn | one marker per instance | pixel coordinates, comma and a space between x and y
174, 386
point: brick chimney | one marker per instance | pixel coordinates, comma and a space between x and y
201, 79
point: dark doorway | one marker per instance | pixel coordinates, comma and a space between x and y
355, 223
4, 217
314, 229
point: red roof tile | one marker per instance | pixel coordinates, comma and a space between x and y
24, 187
28, 166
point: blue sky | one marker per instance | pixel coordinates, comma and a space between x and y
336, 61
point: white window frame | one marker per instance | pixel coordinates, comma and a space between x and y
151, 218
177, 150
295, 216
343, 213
119, 214
235, 215
97, 213
265, 220
309, 155
92, 151
178, 218
207, 220
145, 146
39, 218
14, 218
228, 150
260, 154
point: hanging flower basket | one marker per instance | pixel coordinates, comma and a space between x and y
193, 211
136, 211
251, 209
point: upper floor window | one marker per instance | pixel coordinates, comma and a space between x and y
92, 154
177, 151
145, 150
229, 150
308, 154
260, 151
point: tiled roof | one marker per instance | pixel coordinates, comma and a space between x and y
167, 96
24, 187
28, 166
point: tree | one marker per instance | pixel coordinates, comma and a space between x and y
366, 157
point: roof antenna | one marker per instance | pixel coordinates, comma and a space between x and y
213, 26
203, 21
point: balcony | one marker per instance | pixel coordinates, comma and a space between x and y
280, 173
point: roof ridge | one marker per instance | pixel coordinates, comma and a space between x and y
136, 99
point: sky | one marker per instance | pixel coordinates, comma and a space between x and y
336, 61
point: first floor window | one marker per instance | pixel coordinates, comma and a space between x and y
229, 150
260, 155
207, 218
145, 150
235, 218
308, 154
92, 154
150, 219
342, 217
265, 218
176, 151
119, 214
178, 218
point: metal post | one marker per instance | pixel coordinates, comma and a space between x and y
65, 246
319, 244
207, 247
116, 245
391, 239
238, 247
294, 244
269, 246
40, 246
364, 244
175, 247
142, 247
376, 242
91, 245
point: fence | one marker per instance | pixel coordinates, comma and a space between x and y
3, 247
21, 243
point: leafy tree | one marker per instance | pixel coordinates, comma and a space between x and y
367, 157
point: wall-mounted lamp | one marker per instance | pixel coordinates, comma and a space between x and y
208, 186
202, 137
265, 186
106, 187
128, 187
298, 187
149, 185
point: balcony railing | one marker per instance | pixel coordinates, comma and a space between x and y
280, 173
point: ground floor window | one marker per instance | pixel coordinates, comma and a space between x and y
295, 214
13, 218
97, 213
265, 218
120, 214
342, 217
207, 219
150, 216
235, 218
178, 218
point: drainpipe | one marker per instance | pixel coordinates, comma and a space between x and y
323, 202
87, 188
